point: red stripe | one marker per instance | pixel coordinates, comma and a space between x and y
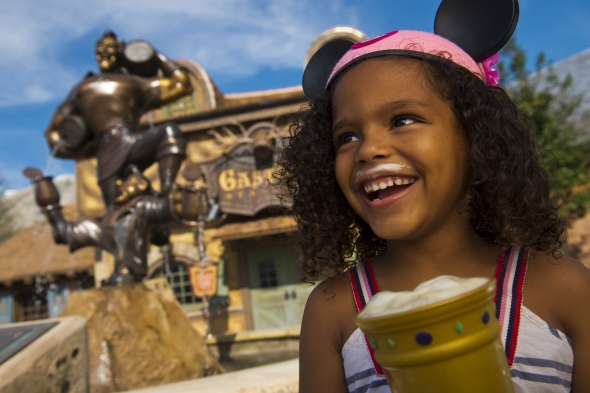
355, 289
521, 275
499, 272
356, 292
372, 276
376, 366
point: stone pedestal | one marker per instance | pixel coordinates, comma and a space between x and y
55, 361
139, 338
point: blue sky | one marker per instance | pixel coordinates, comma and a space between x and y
47, 46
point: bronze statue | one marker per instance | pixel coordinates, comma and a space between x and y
100, 117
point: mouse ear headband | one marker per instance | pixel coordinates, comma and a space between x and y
468, 32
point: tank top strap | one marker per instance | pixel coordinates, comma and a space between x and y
364, 286
510, 276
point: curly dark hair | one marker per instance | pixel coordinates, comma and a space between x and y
508, 191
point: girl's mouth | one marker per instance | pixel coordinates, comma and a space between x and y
386, 187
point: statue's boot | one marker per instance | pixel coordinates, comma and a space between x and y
170, 153
168, 169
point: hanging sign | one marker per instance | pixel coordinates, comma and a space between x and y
243, 187
203, 279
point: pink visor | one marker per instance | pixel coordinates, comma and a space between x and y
412, 43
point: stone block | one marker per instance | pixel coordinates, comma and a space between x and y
55, 362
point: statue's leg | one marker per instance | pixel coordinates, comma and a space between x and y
170, 153
164, 144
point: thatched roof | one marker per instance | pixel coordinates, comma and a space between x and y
32, 251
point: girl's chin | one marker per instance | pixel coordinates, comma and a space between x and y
392, 231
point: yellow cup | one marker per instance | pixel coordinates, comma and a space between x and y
449, 346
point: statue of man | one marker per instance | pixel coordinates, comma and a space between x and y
100, 118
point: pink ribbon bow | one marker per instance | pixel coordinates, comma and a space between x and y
492, 75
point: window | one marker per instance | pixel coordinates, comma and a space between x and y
267, 272
33, 306
179, 282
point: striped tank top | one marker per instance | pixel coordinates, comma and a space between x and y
540, 356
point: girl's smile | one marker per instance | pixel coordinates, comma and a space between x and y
401, 158
384, 183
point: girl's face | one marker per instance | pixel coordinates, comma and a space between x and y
401, 158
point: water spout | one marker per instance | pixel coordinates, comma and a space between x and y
51, 156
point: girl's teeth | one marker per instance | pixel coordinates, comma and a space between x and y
369, 188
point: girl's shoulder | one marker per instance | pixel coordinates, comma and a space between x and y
557, 288
330, 307
560, 288
326, 322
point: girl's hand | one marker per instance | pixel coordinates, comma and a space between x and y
390, 381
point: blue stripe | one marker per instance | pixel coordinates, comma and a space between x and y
511, 329
360, 375
544, 363
374, 384
554, 331
369, 278
540, 378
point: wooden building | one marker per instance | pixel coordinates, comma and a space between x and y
37, 275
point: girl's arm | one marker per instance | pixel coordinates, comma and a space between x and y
559, 292
576, 319
320, 361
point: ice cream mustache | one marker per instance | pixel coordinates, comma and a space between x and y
392, 168
428, 292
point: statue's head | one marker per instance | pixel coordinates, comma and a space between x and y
108, 51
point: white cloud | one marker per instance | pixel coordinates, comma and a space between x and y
229, 37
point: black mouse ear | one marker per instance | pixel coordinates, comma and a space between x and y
480, 27
320, 67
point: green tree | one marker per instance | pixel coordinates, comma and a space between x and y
546, 101
6, 220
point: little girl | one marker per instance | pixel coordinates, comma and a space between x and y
412, 165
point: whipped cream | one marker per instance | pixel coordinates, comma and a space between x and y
428, 292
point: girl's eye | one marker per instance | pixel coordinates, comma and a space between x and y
403, 121
348, 138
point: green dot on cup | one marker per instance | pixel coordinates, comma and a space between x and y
390, 343
373, 342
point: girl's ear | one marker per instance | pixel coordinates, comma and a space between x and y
320, 67
479, 27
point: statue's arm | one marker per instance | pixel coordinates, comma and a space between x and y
52, 134
173, 85
65, 109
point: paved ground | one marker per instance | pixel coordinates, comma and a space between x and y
280, 377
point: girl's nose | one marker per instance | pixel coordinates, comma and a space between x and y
374, 146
